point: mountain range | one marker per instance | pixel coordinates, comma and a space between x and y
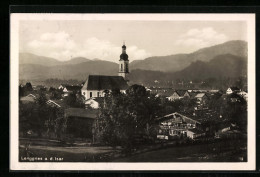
228, 59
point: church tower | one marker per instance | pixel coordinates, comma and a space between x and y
123, 64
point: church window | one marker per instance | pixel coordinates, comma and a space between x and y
90, 94
121, 67
98, 94
126, 67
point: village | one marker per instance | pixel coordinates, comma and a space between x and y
77, 115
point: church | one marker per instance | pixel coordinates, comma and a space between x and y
95, 85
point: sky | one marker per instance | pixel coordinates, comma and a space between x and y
66, 39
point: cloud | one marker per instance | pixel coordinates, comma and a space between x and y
62, 46
198, 38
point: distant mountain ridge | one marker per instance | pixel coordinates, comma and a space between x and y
226, 65
227, 59
70, 71
28, 58
221, 66
178, 62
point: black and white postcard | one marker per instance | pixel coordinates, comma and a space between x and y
132, 91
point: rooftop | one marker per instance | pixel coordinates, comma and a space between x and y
200, 95
99, 82
195, 131
73, 87
180, 92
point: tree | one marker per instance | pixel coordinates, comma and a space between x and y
169, 107
188, 104
75, 100
80, 101
28, 86
70, 100
41, 118
233, 111
55, 93
127, 115
236, 112
41, 100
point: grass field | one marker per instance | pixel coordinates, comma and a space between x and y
215, 152
223, 151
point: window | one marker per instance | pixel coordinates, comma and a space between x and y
90, 94
98, 94
126, 67
121, 67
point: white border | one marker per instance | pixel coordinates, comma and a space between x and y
14, 75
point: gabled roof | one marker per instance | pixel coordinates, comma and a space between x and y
73, 87
165, 93
99, 82
28, 98
97, 99
192, 95
180, 92
53, 103
200, 95
62, 103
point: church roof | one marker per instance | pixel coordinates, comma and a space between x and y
99, 82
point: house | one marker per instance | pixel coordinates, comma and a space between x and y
148, 89
234, 97
175, 125
243, 94
71, 89
96, 85
53, 104
195, 133
178, 94
190, 95
81, 123
62, 86
163, 92
203, 91
232, 90
28, 99
94, 102
201, 98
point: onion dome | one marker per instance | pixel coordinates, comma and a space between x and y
124, 57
